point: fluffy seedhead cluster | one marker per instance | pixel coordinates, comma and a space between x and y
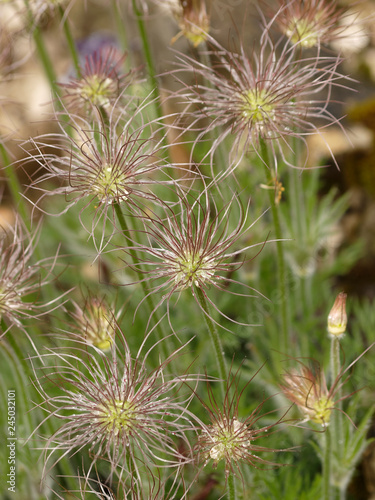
268, 96
192, 246
105, 163
230, 439
20, 278
117, 408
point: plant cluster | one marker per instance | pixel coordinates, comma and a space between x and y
170, 263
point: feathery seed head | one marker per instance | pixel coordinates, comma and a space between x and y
104, 163
230, 439
268, 95
191, 246
101, 83
116, 407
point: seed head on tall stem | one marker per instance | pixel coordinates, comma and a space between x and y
230, 438
307, 388
118, 408
271, 95
102, 82
192, 246
105, 162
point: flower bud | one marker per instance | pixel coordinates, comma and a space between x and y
337, 318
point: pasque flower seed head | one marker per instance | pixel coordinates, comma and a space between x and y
271, 95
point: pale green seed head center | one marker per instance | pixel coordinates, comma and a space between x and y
322, 410
193, 268
257, 107
229, 440
108, 183
119, 416
302, 31
97, 90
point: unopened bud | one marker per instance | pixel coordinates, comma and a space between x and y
337, 318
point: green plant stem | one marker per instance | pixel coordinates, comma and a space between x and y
15, 187
215, 339
70, 41
231, 488
326, 495
120, 29
342, 493
148, 58
47, 64
335, 372
159, 331
285, 326
337, 416
222, 367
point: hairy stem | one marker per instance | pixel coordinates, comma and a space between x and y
159, 331
215, 339
326, 494
15, 187
231, 488
148, 58
281, 268
337, 416
70, 41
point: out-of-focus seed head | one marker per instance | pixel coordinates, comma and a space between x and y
337, 318
309, 23
20, 280
101, 83
191, 16
41, 11
307, 388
